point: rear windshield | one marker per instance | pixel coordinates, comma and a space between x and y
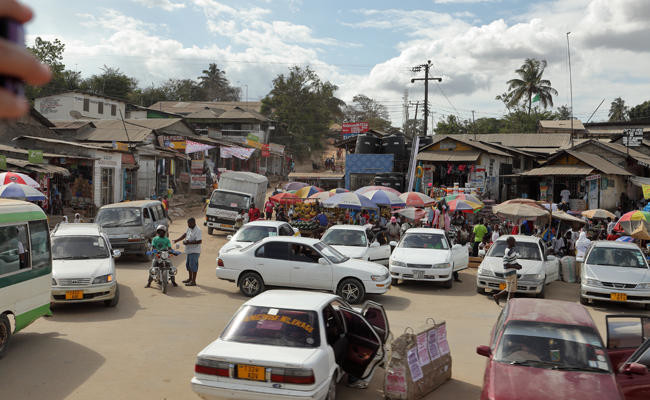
114, 217
344, 237
273, 326
79, 248
617, 257
434, 241
526, 250
254, 233
231, 201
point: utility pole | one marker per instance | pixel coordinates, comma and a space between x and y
405, 106
426, 80
414, 131
568, 50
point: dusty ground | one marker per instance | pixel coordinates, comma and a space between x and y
145, 348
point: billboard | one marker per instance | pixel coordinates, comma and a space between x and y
349, 129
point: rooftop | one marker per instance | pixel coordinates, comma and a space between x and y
562, 124
549, 311
292, 299
77, 229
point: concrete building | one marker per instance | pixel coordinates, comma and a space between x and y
70, 106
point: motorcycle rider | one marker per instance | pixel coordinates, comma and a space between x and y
160, 243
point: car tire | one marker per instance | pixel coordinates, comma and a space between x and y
5, 334
450, 283
351, 290
210, 231
480, 290
251, 284
113, 302
331, 392
394, 282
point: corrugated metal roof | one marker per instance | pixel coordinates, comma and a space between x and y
598, 163
109, 130
188, 107
470, 142
71, 124
564, 169
448, 156
16, 150
314, 175
59, 141
524, 141
562, 124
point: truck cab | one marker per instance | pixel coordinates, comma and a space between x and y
223, 208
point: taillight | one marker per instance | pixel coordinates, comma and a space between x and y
219, 262
296, 376
211, 367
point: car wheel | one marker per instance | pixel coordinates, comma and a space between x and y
113, 302
450, 283
585, 301
394, 282
541, 294
251, 284
480, 290
351, 290
210, 231
5, 334
331, 392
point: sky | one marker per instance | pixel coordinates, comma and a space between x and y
367, 47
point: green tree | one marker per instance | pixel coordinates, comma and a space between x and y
530, 85
563, 112
111, 82
640, 111
486, 125
365, 109
520, 121
451, 125
216, 86
303, 108
414, 127
51, 53
618, 111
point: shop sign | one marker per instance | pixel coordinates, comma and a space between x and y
633, 137
276, 148
646, 191
178, 145
121, 146
448, 145
254, 144
198, 181
350, 129
265, 150
3, 162
197, 165
592, 178
253, 137
35, 156
184, 177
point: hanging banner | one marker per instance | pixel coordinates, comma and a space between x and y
193, 147
35, 156
238, 152
196, 166
3, 161
349, 129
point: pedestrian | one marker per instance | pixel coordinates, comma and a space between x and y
192, 241
559, 246
393, 229
570, 245
495, 233
618, 212
321, 218
239, 220
510, 267
77, 218
610, 226
165, 204
405, 227
479, 231
280, 215
253, 213
268, 209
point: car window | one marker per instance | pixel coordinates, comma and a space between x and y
154, 213
433, 241
642, 355
253, 233
286, 230
345, 237
79, 248
160, 211
14, 248
274, 250
526, 250
303, 253
617, 257
331, 253
146, 214
114, 217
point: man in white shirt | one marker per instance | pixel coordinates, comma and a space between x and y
565, 194
192, 241
610, 226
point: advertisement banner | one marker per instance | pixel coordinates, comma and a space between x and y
197, 181
193, 147
350, 129
35, 156
238, 152
265, 150
646, 191
121, 146
184, 177
197, 165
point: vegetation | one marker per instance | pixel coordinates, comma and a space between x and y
365, 109
530, 85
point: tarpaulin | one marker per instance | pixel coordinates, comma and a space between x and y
238, 152
193, 147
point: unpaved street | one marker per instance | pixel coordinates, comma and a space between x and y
145, 348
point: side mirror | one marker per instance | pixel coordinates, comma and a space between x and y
550, 258
116, 253
323, 261
635, 369
229, 237
393, 243
374, 245
484, 351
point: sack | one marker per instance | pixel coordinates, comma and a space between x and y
420, 361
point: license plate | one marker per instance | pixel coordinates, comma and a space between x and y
502, 286
251, 372
418, 274
74, 295
618, 296
226, 226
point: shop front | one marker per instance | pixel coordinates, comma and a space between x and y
107, 178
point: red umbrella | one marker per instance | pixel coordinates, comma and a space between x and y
285, 198
416, 199
16, 177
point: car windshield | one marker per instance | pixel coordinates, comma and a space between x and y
617, 257
274, 326
331, 253
526, 250
424, 241
227, 200
79, 248
248, 233
553, 346
345, 237
114, 217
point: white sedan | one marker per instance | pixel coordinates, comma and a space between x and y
537, 270
286, 344
357, 242
303, 263
255, 231
615, 271
425, 254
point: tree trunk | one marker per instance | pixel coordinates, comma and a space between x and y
529, 102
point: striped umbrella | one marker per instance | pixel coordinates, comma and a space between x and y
338, 190
464, 206
463, 196
285, 198
350, 200
16, 177
20, 192
411, 213
384, 198
295, 185
322, 196
416, 199
369, 188
307, 191
633, 222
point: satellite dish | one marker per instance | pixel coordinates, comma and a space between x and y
75, 114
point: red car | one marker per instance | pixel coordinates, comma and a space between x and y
549, 349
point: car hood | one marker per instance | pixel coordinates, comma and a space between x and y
421, 256
513, 382
68, 269
352, 251
365, 266
607, 273
495, 264
256, 354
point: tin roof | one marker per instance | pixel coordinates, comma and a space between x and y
563, 169
562, 124
592, 161
451, 156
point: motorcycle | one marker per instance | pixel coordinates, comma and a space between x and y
162, 269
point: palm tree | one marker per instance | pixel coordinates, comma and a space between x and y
530, 84
216, 85
618, 111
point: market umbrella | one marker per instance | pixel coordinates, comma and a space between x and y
350, 200
285, 198
634, 221
563, 216
598, 213
416, 199
517, 211
466, 206
307, 191
463, 196
295, 185
338, 190
384, 198
411, 213
16, 177
21, 192
369, 188
625, 239
322, 196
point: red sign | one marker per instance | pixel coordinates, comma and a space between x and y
265, 151
354, 127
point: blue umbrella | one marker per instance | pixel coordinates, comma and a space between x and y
384, 198
21, 192
350, 200
625, 239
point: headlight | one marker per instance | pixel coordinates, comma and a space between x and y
53, 282
396, 263
103, 279
532, 277
592, 282
164, 255
643, 286
135, 236
379, 278
441, 265
485, 272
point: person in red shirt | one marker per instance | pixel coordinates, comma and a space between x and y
253, 213
268, 209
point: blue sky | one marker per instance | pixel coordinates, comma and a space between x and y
366, 46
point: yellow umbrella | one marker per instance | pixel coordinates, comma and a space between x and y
598, 213
307, 191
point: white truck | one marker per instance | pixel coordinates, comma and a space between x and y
237, 191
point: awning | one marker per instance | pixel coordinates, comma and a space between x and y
570, 170
448, 156
640, 181
128, 161
48, 169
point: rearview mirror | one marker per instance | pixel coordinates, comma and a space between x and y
323, 261
393, 243
635, 369
374, 245
116, 253
484, 351
229, 237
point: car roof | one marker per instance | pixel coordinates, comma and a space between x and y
426, 230
615, 244
519, 238
136, 203
293, 239
263, 222
292, 299
77, 229
348, 227
549, 311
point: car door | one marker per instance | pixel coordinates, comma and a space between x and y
378, 248
636, 385
547, 265
459, 255
307, 271
627, 343
149, 228
376, 316
364, 349
271, 261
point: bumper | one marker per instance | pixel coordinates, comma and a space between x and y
90, 293
492, 283
604, 294
139, 247
214, 390
227, 274
220, 226
375, 287
427, 274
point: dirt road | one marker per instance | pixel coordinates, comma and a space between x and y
146, 347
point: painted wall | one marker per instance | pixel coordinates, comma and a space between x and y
58, 107
367, 164
114, 162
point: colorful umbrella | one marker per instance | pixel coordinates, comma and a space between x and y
518, 211
295, 185
338, 190
598, 213
307, 191
384, 198
463, 196
625, 239
634, 222
350, 200
322, 196
416, 199
369, 188
16, 177
463, 205
285, 198
411, 213
21, 192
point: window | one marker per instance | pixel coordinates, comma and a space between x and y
617, 257
526, 250
516, 162
254, 233
113, 217
86, 104
286, 230
79, 248
146, 213
161, 211
275, 250
14, 248
346, 237
113, 109
303, 253
100, 108
106, 190
424, 241
40, 238
154, 213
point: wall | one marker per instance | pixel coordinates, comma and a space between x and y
146, 186
58, 107
367, 164
609, 198
55, 108
492, 180
107, 160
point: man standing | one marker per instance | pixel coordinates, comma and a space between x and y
268, 209
479, 231
192, 241
253, 213
510, 266
393, 229
610, 226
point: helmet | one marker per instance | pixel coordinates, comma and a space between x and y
161, 228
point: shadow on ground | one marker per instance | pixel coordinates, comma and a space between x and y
84, 312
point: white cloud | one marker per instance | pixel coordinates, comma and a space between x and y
166, 5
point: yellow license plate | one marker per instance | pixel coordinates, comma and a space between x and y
74, 295
502, 286
618, 296
226, 226
251, 372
